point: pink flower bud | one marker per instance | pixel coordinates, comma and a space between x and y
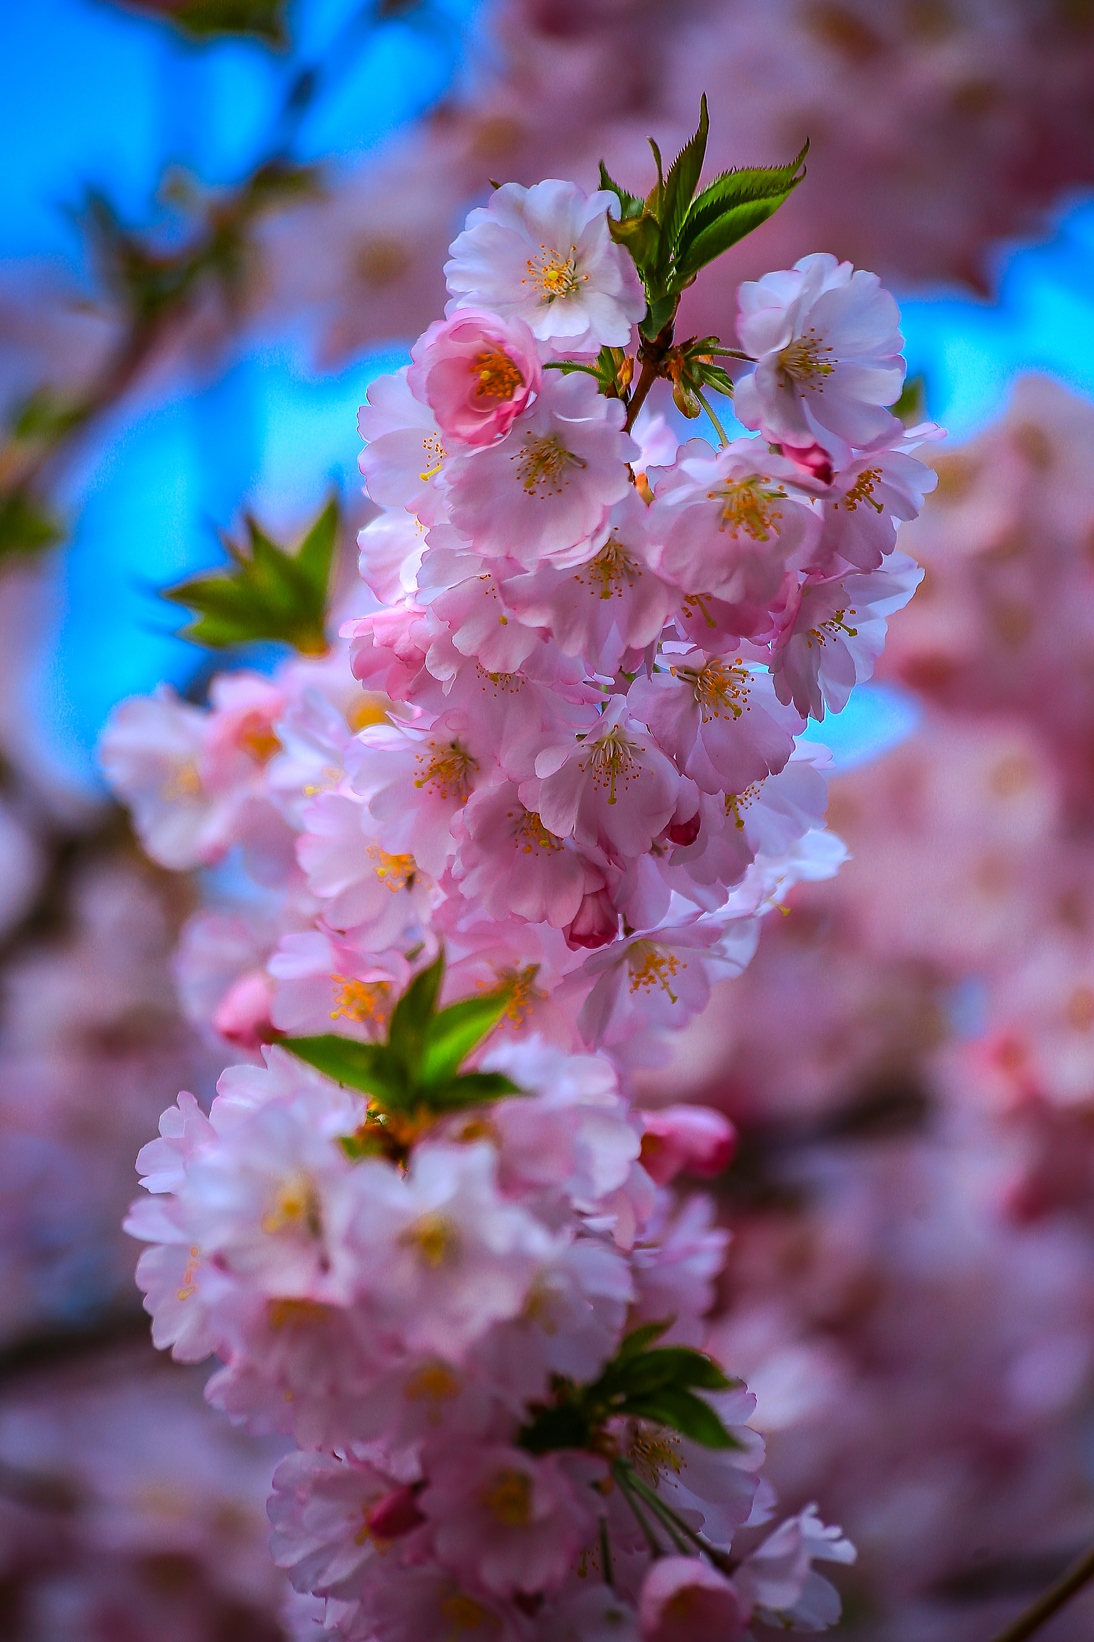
813, 458
596, 922
397, 1513
684, 832
695, 1138
476, 372
685, 1600
243, 1014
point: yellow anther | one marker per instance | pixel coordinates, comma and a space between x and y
721, 688
611, 571
554, 274
650, 967
498, 377
395, 872
748, 507
363, 1001
446, 770
863, 491
508, 1498
434, 1238
805, 360
295, 1208
543, 464
611, 762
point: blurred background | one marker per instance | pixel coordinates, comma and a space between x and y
219, 219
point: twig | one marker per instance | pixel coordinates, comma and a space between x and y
1069, 1585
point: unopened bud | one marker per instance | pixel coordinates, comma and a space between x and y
596, 922
243, 1014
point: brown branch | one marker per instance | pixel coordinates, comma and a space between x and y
1051, 1602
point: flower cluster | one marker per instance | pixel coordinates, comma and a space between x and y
422, 1226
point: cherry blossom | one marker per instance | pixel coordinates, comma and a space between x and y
544, 255
500, 845
828, 348
547, 488
476, 374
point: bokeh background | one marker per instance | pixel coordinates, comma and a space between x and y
219, 219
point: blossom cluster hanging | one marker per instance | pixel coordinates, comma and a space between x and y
422, 1226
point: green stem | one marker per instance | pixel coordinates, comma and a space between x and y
718, 428
606, 1555
1051, 1602
719, 1558
620, 1475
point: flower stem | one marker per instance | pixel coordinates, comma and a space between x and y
652, 355
667, 1516
1051, 1602
723, 439
621, 1477
606, 1555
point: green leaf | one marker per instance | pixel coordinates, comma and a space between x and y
641, 236
911, 407
630, 205
369, 1067
564, 1425
682, 181
676, 1366
733, 205
658, 315
451, 1035
638, 1340
268, 593
684, 1412
412, 1016
208, 19
741, 186
469, 1089
25, 525
732, 226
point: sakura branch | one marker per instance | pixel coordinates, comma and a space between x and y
510, 830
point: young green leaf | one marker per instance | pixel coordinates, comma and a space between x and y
267, 593
412, 1016
733, 205
682, 181
684, 1412
25, 525
630, 205
468, 1089
207, 19
740, 186
731, 226
451, 1035
370, 1067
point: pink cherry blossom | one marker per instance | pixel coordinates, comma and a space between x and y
721, 721
547, 488
779, 1578
836, 634
828, 347
613, 787
684, 1600
476, 372
544, 255
404, 461
508, 862
732, 524
513, 1520
611, 603
696, 1138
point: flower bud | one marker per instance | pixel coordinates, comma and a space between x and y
596, 922
695, 1138
243, 1014
685, 1600
396, 1514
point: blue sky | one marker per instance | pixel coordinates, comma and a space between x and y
89, 93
